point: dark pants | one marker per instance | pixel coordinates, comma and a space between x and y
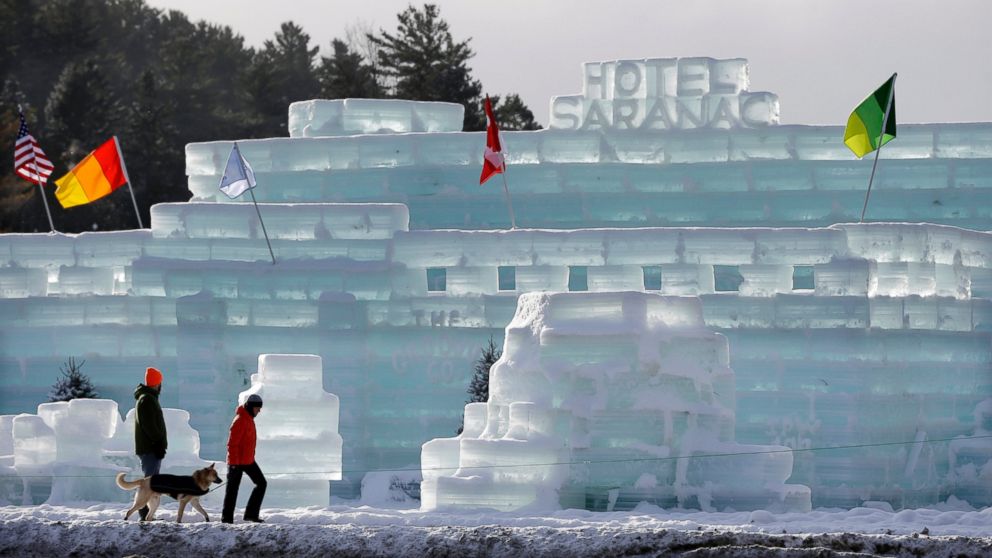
150, 465
234, 473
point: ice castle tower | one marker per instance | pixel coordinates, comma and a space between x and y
299, 448
604, 400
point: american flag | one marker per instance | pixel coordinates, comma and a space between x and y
30, 161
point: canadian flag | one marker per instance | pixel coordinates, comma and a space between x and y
492, 158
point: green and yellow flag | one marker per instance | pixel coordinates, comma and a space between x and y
866, 122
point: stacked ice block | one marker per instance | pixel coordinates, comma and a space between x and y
299, 448
83, 428
604, 400
347, 117
780, 176
970, 459
71, 450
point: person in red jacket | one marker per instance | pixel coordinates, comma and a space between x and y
241, 461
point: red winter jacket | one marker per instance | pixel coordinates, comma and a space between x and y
241, 444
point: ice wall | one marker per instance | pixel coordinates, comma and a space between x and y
888, 309
299, 447
607, 399
774, 176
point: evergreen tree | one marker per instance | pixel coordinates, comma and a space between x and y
426, 64
513, 114
73, 384
148, 141
345, 75
82, 111
478, 389
203, 70
282, 72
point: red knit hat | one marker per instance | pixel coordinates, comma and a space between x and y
153, 377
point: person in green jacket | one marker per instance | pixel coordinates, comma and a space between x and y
150, 437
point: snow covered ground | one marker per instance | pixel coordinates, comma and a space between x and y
950, 530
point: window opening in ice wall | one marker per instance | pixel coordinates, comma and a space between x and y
802, 278
578, 278
652, 277
437, 279
507, 277
727, 278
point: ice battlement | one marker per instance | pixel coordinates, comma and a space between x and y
649, 142
345, 117
783, 176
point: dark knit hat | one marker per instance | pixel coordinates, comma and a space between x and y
253, 402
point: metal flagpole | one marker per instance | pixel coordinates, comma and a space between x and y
41, 190
509, 202
251, 190
120, 155
885, 120
43, 198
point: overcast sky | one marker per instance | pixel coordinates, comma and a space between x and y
821, 57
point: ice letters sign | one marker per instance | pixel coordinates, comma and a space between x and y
665, 94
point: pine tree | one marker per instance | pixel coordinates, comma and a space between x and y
513, 114
149, 141
73, 384
478, 390
281, 73
344, 75
425, 63
82, 112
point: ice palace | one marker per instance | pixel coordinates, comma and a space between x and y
687, 279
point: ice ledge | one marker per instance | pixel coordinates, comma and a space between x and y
345, 117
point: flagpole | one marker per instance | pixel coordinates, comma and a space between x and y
509, 202
885, 120
120, 155
41, 190
43, 198
251, 191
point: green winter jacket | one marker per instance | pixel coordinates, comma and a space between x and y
149, 424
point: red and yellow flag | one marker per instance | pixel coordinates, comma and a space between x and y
99, 174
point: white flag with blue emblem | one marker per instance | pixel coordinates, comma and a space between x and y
238, 176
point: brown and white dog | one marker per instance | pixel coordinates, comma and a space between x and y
148, 496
